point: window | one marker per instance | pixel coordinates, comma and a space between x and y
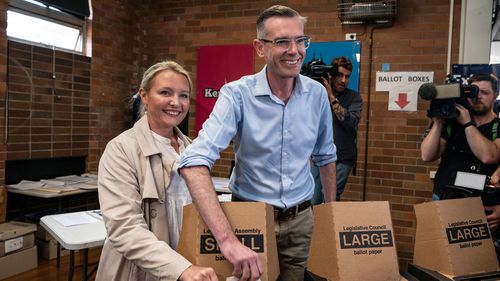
40, 24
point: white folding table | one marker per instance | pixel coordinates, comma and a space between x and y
87, 232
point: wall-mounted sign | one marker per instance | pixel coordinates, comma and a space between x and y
402, 87
218, 65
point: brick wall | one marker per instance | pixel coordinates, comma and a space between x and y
128, 36
116, 54
48, 103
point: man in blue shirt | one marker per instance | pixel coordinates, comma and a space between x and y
278, 120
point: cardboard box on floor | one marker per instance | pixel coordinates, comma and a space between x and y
353, 241
47, 245
42, 233
453, 237
16, 236
18, 262
48, 249
253, 224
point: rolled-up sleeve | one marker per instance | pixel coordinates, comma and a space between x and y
325, 151
216, 133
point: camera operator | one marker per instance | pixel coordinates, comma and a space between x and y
469, 142
346, 105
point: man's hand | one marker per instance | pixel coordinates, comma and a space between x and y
463, 114
493, 218
246, 263
495, 178
438, 121
198, 273
331, 96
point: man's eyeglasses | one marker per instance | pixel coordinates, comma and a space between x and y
284, 44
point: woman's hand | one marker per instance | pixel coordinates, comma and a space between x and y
198, 273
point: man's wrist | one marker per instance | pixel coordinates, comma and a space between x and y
470, 123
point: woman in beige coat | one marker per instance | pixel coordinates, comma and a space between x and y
140, 192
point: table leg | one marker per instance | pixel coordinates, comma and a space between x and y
71, 264
85, 260
58, 254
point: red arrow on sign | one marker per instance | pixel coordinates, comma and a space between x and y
402, 100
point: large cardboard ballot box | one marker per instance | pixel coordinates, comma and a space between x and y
353, 241
253, 224
453, 237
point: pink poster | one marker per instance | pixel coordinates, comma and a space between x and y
218, 65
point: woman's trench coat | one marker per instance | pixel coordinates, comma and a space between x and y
132, 184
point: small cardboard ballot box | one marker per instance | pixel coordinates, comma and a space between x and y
353, 241
453, 237
16, 236
253, 224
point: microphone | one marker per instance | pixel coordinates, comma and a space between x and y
429, 91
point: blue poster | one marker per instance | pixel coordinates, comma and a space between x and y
327, 51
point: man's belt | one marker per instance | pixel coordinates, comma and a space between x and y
283, 214
279, 213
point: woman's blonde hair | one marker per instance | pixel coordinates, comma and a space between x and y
151, 72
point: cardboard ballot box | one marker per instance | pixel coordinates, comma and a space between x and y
16, 236
253, 224
453, 237
353, 241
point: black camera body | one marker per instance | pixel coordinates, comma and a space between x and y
317, 70
444, 98
489, 195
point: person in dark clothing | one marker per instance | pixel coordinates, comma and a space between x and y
346, 105
469, 142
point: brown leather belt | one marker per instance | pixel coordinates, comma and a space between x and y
279, 213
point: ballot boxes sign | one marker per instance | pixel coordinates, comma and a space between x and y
253, 225
453, 237
353, 241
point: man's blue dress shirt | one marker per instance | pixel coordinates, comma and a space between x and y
273, 141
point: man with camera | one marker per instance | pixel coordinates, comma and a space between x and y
346, 105
469, 142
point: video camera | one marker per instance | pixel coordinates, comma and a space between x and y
472, 185
317, 70
444, 98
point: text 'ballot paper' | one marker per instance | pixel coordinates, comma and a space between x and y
75, 219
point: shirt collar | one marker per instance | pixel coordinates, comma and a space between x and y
263, 89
